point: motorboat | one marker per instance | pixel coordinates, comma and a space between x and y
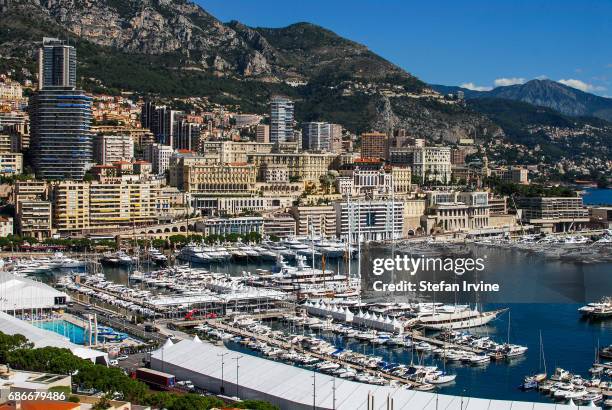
118, 258
194, 254
479, 359
441, 378
157, 256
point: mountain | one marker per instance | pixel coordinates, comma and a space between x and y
453, 89
545, 93
543, 134
174, 48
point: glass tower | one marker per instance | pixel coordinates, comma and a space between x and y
281, 119
61, 138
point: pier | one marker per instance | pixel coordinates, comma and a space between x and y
288, 346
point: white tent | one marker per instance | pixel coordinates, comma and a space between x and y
17, 293
291, 387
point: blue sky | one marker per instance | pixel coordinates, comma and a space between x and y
474, 43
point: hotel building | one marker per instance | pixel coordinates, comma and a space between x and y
375, 220
200, 178
322, 219
302, 166
374, 145
432, 164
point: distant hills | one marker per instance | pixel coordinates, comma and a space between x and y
544, 93
174, 48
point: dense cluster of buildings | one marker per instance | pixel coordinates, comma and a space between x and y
104, 163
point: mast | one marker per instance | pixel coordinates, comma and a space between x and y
359, 237
508, 340
349, 255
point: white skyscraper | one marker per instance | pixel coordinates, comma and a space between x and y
316, 136
281, 119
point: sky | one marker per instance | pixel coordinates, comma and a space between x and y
473, 43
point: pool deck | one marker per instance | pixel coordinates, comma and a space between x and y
82, 323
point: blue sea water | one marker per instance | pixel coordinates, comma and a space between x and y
598, 196
568, 341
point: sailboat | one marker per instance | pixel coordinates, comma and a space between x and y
532, 382
441, 377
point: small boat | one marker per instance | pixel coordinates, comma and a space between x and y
425, 387
533, 381
441, 378
479, 359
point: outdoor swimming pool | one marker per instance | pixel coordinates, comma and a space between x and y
75, 333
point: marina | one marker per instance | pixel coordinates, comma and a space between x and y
309, 315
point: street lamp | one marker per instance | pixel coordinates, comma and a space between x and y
237, 367
314, 390
222, 355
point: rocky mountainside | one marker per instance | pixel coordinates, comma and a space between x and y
546, 93
175, 48
546, 134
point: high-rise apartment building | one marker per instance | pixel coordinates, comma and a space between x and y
281, 119
112, 148
186, 135
263, 133
374, 145
61, 138
32, 209
159, 156
161, 120
56, 64
316, 136
11, 162
335, 138
103, 204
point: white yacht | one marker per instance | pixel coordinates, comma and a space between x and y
60, 261
449, 317
157, 256
194, 253
597, 310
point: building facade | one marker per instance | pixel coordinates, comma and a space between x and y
228, 226
113, 148
301, 166
374, 145
281, 119
61, 138
432, 164
316, 136
321, 219
375, 220
231, 179
262, 134
553, 214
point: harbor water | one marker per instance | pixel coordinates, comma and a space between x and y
569, 342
